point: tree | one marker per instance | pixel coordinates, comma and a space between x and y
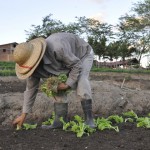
136, 27
48, 27
99, 47
97, 34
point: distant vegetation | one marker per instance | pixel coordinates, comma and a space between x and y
119, 70
127, 39
8, 69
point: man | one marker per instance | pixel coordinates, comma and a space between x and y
59, 53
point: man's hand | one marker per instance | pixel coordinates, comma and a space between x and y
62, 86
20, 120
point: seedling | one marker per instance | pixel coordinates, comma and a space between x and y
116, 118
103, 124
50, 120
129, 120
26, 126
130, 114
49, 87
143, 122
77, 126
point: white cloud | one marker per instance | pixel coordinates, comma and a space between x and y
99, 1
98, 16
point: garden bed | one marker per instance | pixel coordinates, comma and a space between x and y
128, 138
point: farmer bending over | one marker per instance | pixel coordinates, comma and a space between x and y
59, 53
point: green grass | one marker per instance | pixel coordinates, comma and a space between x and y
7, 73
7, 64
7, 69
95, 69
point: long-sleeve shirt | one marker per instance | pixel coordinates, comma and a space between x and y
64, 53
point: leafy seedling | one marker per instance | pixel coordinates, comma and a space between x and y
103, 124
129, 120
116, 118
18, 127
50, 120
26, 126
130, 114
143, 122
77, 126
49, 87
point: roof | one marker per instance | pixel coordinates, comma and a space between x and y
9, 43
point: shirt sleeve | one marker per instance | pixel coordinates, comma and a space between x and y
30, 93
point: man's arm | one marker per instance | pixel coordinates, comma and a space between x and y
30, 93
29, 98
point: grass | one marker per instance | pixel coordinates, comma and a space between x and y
95, 69
8, 69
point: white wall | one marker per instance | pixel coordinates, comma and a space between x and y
145, 60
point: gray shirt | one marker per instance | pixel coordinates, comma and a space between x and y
64, 54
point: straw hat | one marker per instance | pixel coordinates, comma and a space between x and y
27, 56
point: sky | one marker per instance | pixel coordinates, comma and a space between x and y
18, 15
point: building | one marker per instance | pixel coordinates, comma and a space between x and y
6, 51
105, 62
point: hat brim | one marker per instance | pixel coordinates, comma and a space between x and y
23, 72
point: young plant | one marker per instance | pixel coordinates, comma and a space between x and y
130, 114
66, 125
26, 126
103, 124
77, 126
50, 120
129, 120
49, 87
116, 118
143, 122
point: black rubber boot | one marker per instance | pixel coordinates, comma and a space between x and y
87, 109
61, 110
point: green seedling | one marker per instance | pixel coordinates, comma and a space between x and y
130, 114
116, 118
129, 120
103, 124
50, 120
77, 126
143, 122
49, 87
26, 126
18, 127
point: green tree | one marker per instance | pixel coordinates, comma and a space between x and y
49, 26
97, 34
136, 27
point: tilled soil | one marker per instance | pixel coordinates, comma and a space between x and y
129, 138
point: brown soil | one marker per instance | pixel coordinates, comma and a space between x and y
129, 138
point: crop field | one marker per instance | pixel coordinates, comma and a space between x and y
116, 132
